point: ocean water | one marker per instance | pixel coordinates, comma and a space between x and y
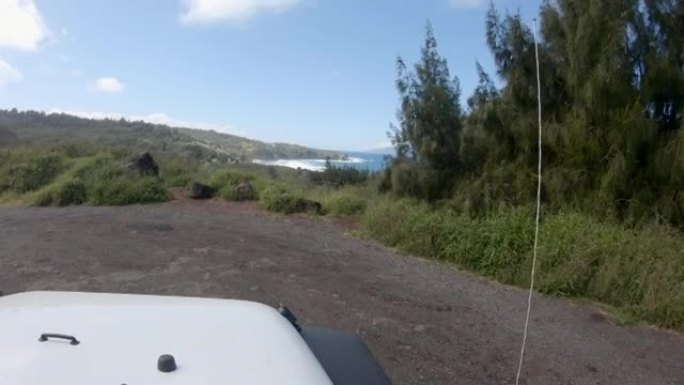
358, 160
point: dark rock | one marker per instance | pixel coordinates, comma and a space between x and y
244, 192
201, 191
143, 164
309, 205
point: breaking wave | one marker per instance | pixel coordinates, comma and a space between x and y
313, 164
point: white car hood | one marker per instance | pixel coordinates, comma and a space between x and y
121, 336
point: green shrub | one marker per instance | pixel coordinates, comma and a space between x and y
393, 222
178, 181
127, 189
225, 182
339, 176
43, 198
63, 193
177, 172
30, 172
342, 204
231, 193
70, 174
410, 180
221, 179
641, 273
98, 167
279, 199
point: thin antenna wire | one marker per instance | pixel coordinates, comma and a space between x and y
536, 229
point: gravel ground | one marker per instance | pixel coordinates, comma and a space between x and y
427, 322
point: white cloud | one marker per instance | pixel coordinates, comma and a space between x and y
467, 3
214, 11
8, 73
21, 25
107, 85
156, 118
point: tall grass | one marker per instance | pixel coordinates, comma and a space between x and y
640, 272
348, 200
66, 192
282, 199
227, 181
65, 175
24, 171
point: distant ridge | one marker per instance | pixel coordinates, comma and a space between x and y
40, 128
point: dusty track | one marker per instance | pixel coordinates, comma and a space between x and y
427, 322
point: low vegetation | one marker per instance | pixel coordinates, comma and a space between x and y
61, 177
639, 272
282, 199
343, 203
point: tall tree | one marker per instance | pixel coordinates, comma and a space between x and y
430, 116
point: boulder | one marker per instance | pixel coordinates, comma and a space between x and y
201, 191
143, 164
308, 205
244, 191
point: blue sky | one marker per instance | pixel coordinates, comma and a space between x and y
314, 72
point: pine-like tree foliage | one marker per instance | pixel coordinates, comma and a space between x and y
612, 78
430, 114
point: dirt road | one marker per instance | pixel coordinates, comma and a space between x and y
426, 322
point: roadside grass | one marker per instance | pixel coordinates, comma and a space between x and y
615, 315
64, 192
639, 272
342, 203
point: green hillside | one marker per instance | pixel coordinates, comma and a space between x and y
34, 128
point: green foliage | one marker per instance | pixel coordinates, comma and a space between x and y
612, 93
25, 171
281, 199
128, 189
177, 172
339, 176
226, 183
109, 184
71, 175
428, 139
409, 179
343, 203
230, 178
70, 191
232, 193
638, 272
430, 114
